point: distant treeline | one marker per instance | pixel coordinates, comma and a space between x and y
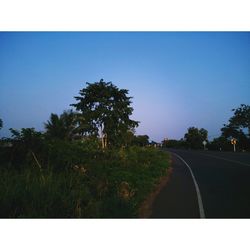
238, 128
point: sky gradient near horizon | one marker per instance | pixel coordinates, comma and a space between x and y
177, 79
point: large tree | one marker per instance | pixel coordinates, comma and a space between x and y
239, 122
241, 118
229, 131
1, 123
106, 109
194, 137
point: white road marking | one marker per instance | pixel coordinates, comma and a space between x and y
225, 159
201, 209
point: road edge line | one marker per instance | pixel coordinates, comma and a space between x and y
200, 204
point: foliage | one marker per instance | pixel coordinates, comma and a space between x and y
174, 143
194, 137
130, 139
1, 123
27, 136
241, 118
64, 172
235, 129
23, 145
229, 131
62, 127
140, 140
30, 194
99, 184
63, 155
106, 109
221, 144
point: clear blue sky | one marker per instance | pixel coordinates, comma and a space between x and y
177, 80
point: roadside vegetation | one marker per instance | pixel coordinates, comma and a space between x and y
238, 127
88, 163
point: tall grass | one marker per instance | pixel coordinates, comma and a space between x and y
110, 184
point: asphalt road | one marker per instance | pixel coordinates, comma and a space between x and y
223, 181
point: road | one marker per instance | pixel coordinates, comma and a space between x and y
222, 188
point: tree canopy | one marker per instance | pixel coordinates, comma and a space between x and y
106, 111
239, 122
241, 118
194, 137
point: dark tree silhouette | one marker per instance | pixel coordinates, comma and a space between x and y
62, 127
106, 110
141, 140
194, 137
241, 118
237, 123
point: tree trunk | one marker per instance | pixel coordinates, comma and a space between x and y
102, 138
105, 140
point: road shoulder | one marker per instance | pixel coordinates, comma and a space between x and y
178, 198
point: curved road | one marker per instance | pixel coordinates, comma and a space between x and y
223, 180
